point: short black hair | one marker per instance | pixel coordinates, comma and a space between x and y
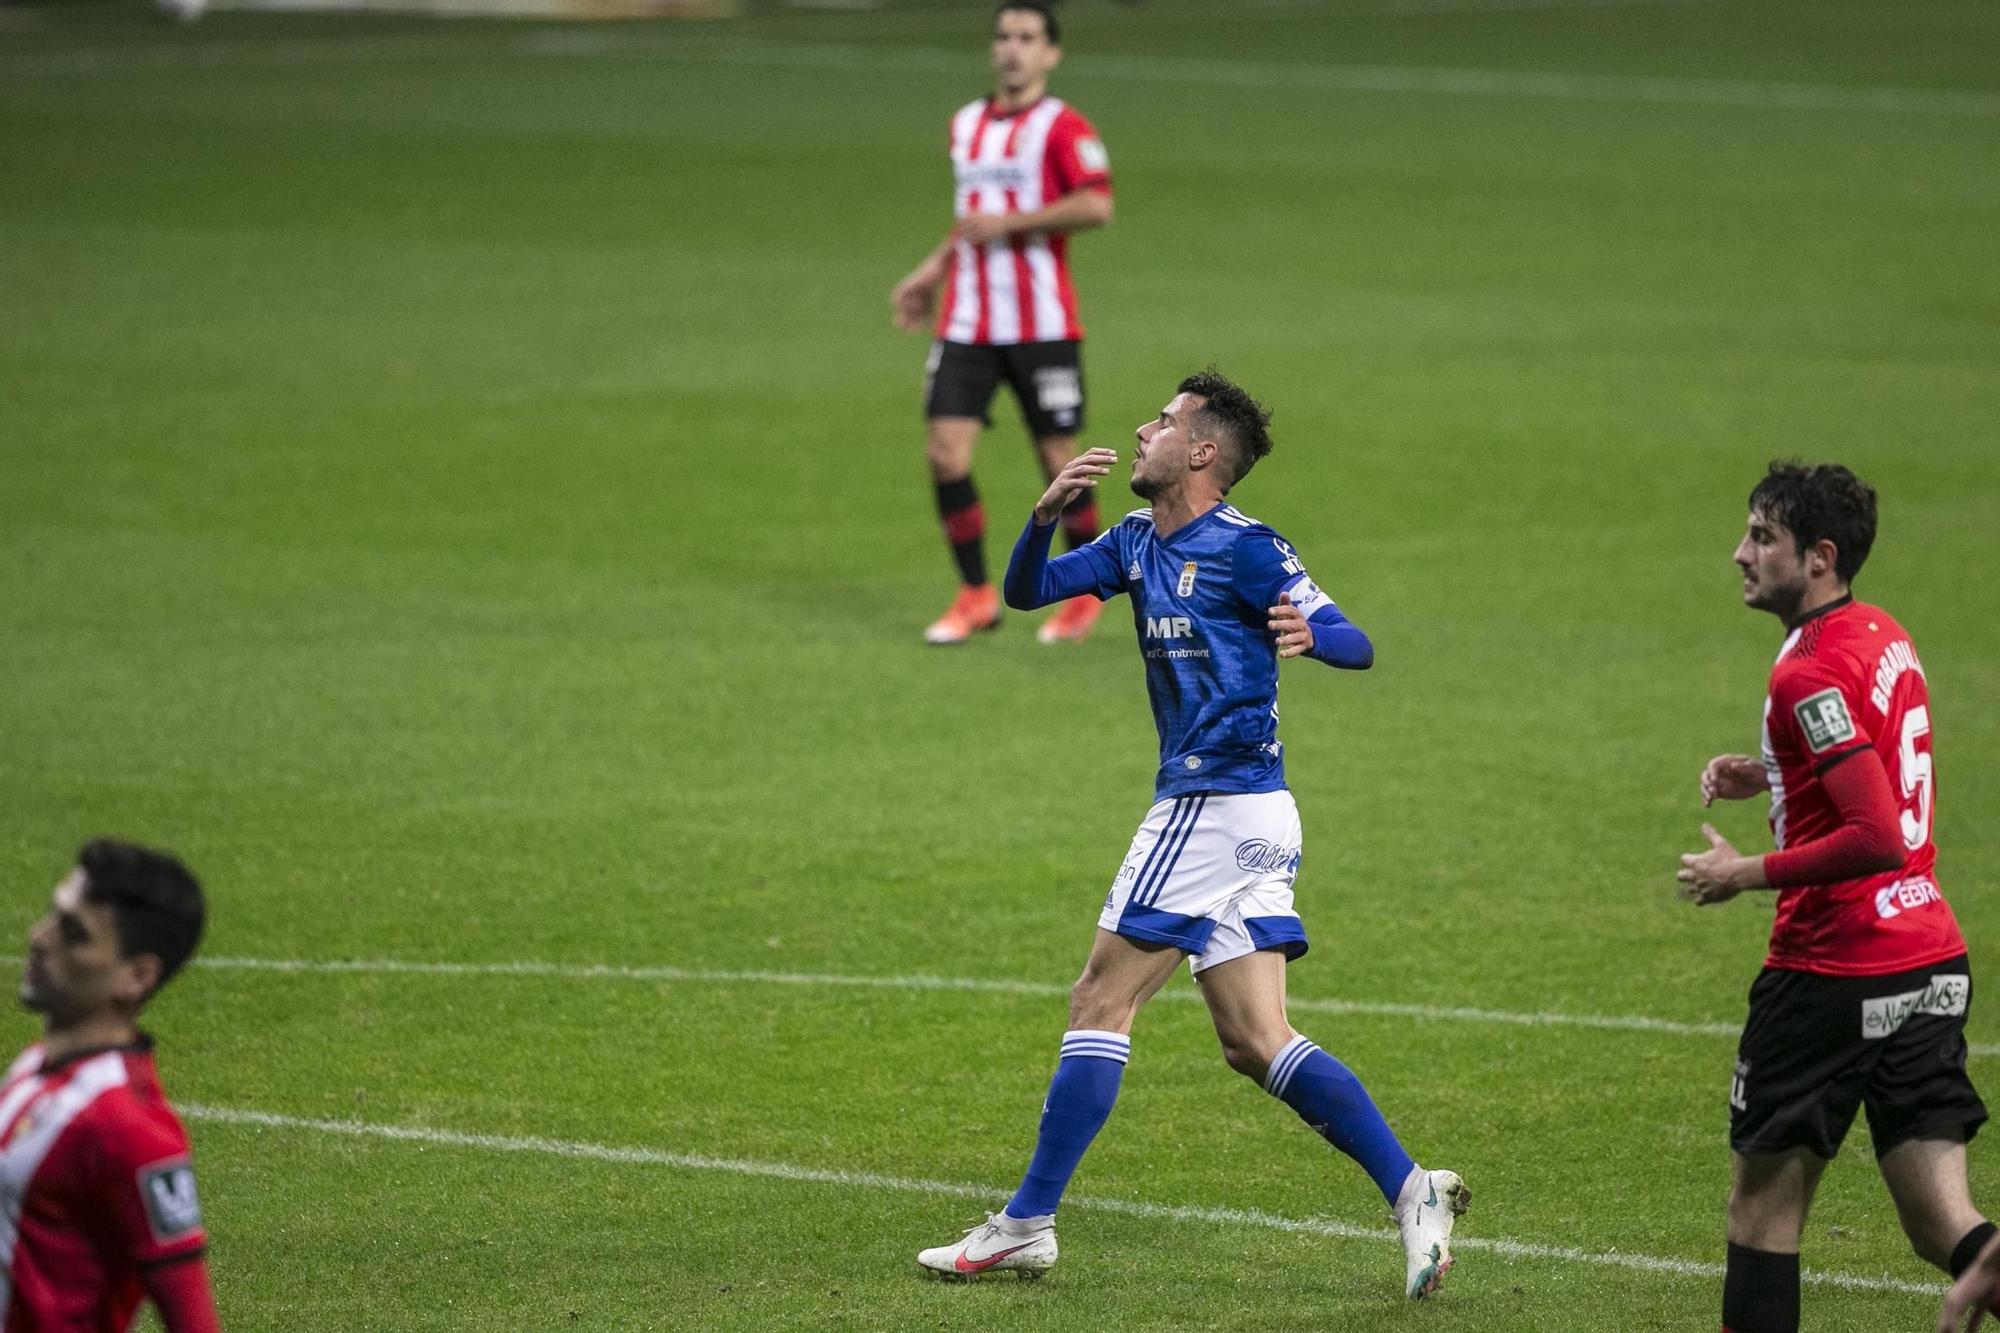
1043, 7
155, 901
1231, 416
1820, 502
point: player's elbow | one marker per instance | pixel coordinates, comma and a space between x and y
1884, 851
1095, 209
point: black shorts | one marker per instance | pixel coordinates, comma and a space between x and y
1047, 380
1815, 1048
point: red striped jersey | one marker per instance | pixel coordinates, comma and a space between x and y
95, 1183
1847, 680
1017, 289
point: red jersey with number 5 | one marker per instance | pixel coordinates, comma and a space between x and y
1847, 680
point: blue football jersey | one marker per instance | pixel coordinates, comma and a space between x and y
1201, 602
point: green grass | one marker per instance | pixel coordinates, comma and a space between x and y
466, 496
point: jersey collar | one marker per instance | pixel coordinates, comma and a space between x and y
1197, 521
994, 112
1812, 615
142, 1045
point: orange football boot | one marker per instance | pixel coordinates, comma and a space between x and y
973, 610
1072, 621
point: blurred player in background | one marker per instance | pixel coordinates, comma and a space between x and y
1218, 599
1030, 171
98, 1209
1863, 997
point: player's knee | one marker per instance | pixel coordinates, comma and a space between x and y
1250, 1052
1245, 1058
1761, 1221
949, 456
1094, 1006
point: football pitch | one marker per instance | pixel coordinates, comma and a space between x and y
459, 488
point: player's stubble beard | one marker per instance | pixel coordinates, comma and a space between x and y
1782, 600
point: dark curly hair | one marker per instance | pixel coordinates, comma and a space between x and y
1820, 502
1046, 8
1232, 417
155, 901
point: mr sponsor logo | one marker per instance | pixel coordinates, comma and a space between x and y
1262, 857
1172, 627
1905, 895
1945, 996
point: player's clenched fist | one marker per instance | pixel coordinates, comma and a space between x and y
1078, 476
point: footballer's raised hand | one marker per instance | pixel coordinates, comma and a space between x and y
1080, 474
1294, 632
1733, 777
1718, 874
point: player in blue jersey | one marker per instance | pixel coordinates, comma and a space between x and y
1217, 600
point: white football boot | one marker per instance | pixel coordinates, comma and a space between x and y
1000, 1244
1431, 1201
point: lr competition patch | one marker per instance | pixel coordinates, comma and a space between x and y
1823, 717
172, 1209
1091, 153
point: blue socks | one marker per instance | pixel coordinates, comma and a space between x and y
1079, 1102
1328, 1097
1324, 1092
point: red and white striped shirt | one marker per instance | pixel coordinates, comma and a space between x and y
1017, 289
95, 1183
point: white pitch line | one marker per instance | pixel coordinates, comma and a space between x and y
982, 985
1160, 1212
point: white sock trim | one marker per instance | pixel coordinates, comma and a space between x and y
1279, 1076
1095, 1044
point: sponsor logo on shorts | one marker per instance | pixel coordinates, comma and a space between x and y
1945, 996
1824, 719
1260, 856
1905, 895
1059, 390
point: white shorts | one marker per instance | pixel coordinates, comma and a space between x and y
1212, 875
